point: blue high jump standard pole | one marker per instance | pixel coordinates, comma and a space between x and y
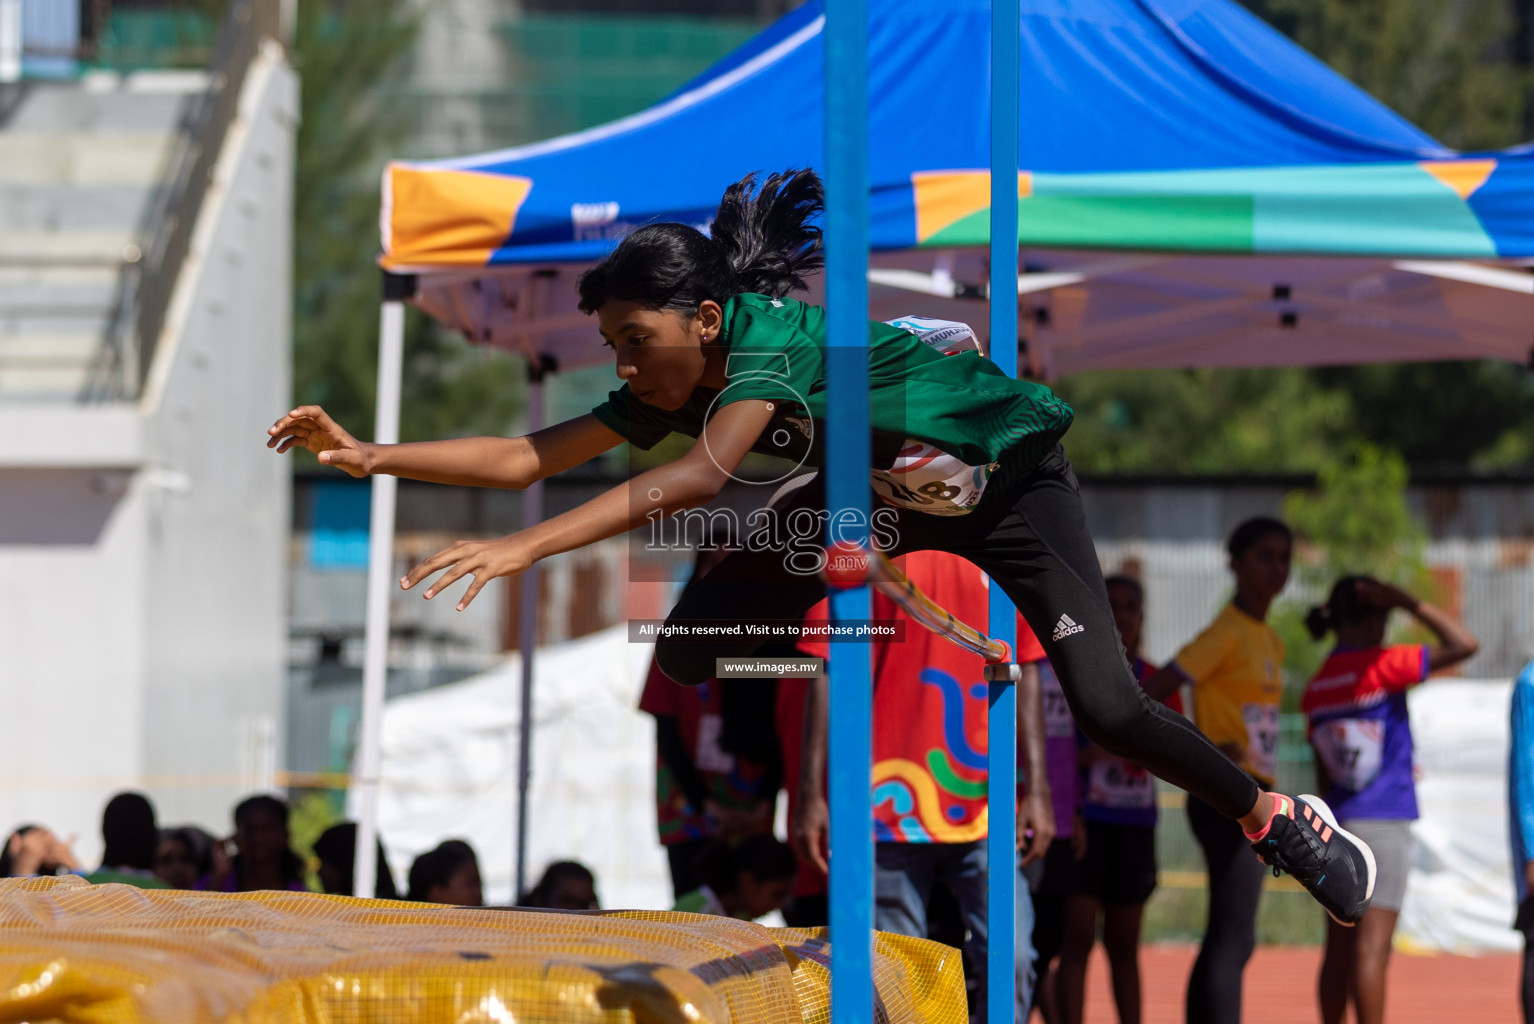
847, 460
1002, 726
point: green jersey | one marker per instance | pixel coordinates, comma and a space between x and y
940, 422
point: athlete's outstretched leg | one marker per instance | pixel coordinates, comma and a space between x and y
1039, 551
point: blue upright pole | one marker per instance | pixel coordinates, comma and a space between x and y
1002, 768
847, 460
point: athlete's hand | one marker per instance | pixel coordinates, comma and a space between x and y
311, 427
483, 559
1035, 827
1374, 594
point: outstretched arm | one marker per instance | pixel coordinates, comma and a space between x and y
1455, 642
694, 479
511, 462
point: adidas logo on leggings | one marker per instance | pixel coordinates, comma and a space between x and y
1066, 627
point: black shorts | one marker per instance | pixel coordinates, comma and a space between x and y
1120, 865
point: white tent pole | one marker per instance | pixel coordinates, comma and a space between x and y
375, 659
10, 40
527, 635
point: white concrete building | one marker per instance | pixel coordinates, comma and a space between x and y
143, 527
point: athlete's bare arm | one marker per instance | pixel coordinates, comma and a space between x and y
511, 462
692, 480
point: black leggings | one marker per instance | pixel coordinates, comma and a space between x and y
1029, 534
1235, 888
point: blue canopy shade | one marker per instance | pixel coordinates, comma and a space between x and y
1166, 125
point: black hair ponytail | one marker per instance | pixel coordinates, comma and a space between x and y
767, 237
762, 241
1318, 621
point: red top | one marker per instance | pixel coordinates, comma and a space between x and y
790, 721
929, 728
730, 780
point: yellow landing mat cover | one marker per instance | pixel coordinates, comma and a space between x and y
70, 951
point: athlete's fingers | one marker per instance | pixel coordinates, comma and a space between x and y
288, 422
447, 556
481, 577
319, 417
452, 575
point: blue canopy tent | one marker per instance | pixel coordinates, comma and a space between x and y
1156, 127
1159, 138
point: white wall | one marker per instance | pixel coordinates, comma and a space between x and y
142, 550
217, 523
71, 650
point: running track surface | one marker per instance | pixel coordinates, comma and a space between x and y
1281, 986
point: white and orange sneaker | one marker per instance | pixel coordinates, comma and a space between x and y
1303, 839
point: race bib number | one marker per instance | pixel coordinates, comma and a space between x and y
927, 479
709, 756
1121, 784
1261, 739
1058, 723
1351, 750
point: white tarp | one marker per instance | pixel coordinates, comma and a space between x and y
1460, 896
450, 771
450, 758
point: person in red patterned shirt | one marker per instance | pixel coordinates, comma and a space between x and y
930, 743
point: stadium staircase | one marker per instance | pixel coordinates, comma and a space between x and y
101, 180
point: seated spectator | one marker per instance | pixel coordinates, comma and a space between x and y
262, 858
449, 874
130, 840
182, 856
746, 881
336, 850
565, 885
32, 850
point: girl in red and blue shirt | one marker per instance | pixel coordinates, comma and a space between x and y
1356, 706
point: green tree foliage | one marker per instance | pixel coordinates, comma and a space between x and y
1445, 65
1478, 415
1354, 521
310, 813
1203, 421
1450, 66
348, 55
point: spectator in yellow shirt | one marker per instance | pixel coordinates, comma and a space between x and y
1235, 667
